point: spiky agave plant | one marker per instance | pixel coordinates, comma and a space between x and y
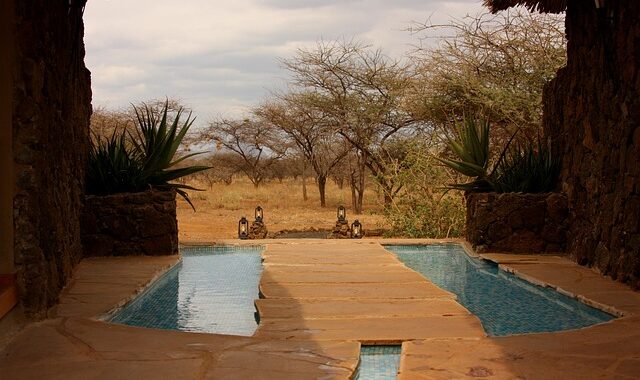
145, 160
525, 168
155, 144
472, 156
528, 168
111, 168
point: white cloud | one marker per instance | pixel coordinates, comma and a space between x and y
221, 57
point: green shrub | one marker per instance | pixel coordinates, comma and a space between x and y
421, 210
133, 162
426, 217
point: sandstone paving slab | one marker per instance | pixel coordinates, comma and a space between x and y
320, 248
392, 267
572, 279
575, 277
326, 254
101, 283
331, 259
326, 251
95, 289
415, 290
84, 349
361, 308
609, 350
508, 258
372, 330
453, 359
303, 275
83, 369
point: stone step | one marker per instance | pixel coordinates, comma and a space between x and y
308, 275
362, 308
380, 290
372, 330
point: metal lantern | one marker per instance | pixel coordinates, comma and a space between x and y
356, 230
342, 214
243, 228
259, 214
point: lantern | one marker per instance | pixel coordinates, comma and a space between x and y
342, 214
259, 214
600, 4
243, 228
356, 230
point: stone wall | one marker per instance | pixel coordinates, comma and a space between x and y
51, 110
130, 224
518, 223
592, 114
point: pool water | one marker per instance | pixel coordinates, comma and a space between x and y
505, 304
213, 290
379, 363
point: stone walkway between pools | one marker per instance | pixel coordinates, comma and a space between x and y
353, 292
319, 301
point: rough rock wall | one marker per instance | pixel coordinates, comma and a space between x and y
52, 106
518, 223
130, 224
592, 114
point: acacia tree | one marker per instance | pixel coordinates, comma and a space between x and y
309, 129
226, 166
257, 146
363, 90
496, 65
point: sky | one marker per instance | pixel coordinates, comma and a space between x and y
222, 57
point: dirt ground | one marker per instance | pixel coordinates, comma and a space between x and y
219, 208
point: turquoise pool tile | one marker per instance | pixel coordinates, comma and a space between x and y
379, 363
505, 304
212, 290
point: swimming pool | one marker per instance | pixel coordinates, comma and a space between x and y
505, 304
212, 290
379, 363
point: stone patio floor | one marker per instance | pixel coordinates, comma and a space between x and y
320, 299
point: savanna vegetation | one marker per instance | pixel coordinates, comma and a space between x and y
380, 133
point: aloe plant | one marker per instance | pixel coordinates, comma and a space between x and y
527, 168
111, 167
145, 160
473, 154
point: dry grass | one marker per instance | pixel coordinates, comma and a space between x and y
219, 208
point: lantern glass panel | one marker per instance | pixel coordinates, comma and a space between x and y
356, 230
243, 228
342, 214
259, 214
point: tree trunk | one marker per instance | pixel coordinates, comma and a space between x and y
305, 197
354, 197
358, 209
356, 182
322, 184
